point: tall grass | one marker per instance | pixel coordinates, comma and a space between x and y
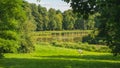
84, 46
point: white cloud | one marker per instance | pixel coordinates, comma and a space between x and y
56, 4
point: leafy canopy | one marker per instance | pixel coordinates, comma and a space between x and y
109, 16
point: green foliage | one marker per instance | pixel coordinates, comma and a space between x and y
109, 17
94, 38
68, 20
26, 46
10, 19
27, 26
83, 7
13, 27
7, 46
52, 25
59, 19
79, 24
83, 46
109, 28
55, 19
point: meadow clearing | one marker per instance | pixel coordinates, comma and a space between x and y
47, 56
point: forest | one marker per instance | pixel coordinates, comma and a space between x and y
52, 19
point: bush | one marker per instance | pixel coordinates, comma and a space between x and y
26, 46
93, 38
8, 46
1, 54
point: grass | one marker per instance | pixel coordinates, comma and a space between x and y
56, 57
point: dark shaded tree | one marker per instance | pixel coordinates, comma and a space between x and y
109, 14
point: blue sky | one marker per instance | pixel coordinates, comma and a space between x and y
57, 4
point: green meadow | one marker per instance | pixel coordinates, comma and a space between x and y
47, 56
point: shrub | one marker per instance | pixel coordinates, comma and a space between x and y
1, 54
26, 46
83, 46
8, 46
93, 38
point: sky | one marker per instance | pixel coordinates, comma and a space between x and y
56, 4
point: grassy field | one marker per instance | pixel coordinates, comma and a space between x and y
56, 57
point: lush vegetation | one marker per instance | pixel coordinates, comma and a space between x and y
109, 11
83, 46
23, 24
47, 56
19, 18
14, 30
56, 20
10, 20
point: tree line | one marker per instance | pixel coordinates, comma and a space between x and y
56, 20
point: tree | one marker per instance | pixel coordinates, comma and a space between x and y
91, 22
16, 22
27, 27
37, 16
52, 22
79, 24
43, 18
11, 18
109, 15
68, 20
45, 24
59, 20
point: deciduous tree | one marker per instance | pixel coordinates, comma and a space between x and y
110, 17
